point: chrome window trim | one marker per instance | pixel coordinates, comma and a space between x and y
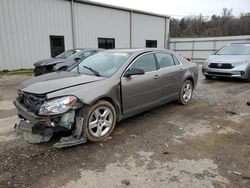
177, 59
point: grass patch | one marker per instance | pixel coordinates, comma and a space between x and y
17, 72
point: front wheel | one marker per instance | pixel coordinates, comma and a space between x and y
186, 92
100, 121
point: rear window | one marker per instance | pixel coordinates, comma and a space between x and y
165, 60
67, 54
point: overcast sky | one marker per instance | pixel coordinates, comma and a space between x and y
181, 8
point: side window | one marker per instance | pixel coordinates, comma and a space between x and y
177, 62
85, 54
145, 62
165, 60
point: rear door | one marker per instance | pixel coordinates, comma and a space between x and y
141, 92
170, 73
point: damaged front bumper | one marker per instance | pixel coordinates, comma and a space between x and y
32, 133
37, 129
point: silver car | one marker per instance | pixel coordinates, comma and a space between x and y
230, 61
103, 89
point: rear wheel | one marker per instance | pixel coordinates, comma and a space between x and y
186, 92
208, 77
100, 121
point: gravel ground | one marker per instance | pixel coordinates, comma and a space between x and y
203, 144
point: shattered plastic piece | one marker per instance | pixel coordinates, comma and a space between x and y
125, 182
237, 173
101, 144
133, 136
29, 137
69, 141
231, 112
35, 138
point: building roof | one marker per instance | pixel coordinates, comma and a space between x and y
119, 8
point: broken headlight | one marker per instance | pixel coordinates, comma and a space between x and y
58, 105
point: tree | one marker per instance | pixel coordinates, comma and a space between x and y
218, 25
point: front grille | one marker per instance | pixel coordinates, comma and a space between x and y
221, 66
43, 70
31, 102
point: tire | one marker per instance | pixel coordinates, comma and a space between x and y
208, 77
99, 126
248, 78
187, 90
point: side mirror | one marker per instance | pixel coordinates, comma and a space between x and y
134, 71
77, 59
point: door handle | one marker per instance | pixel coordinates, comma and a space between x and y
156, 77
180, 70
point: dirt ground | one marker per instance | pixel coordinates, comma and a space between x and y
203, 144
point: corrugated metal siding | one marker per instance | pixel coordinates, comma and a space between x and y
25, 26
201, 48
146, 27
92, 22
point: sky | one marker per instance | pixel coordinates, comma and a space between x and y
182, 8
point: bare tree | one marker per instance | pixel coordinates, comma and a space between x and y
218, 25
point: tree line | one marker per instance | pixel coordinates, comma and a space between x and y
218, 25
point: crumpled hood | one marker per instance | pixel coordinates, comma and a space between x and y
50, 61
55, 81
228, 58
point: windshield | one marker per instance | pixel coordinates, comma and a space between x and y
103, 64
234, 50
67, 54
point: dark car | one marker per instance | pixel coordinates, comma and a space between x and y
91, 97
62, 61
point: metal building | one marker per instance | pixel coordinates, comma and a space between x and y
198, 49
34, 29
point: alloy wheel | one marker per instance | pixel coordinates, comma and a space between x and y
187, 91
100, 121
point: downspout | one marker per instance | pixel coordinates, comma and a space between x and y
73, 24
131, 25
166, 35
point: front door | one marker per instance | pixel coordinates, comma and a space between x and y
141, 92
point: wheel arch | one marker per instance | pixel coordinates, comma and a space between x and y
111, 101
191, 79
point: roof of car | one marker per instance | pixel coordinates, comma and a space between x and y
241, 43
83, 49
137, 50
